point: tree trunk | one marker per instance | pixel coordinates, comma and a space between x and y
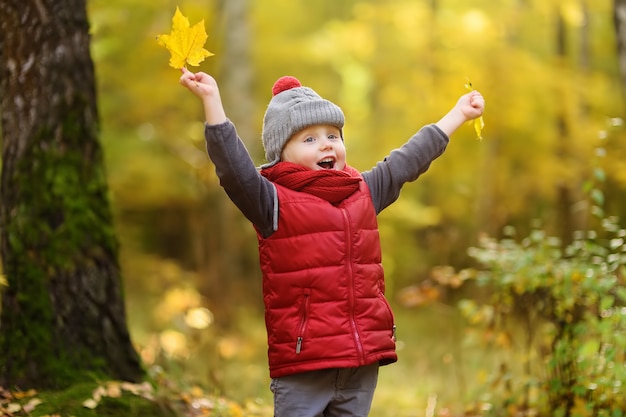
63, 316
563, 191
619, 14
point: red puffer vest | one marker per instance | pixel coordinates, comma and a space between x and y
323, 285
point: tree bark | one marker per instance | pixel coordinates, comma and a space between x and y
63, 314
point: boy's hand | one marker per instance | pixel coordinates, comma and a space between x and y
205, 87
472, 105
468, 107
200, 83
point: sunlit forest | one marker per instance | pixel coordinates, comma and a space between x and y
503, 262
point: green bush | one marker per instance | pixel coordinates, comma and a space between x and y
561, 311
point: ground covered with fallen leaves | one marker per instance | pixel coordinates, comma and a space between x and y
161, 398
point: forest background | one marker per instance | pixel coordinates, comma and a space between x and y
548, 70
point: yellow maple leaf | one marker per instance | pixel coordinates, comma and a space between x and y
478, 123
185, 42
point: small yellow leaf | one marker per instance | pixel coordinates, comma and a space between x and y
478, 123
130, 387
90, 403
24, 394
196, 391
31, 405
98, 393
114, 390
478, 127
185, 42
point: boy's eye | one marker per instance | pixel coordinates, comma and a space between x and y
332, 136
309, 139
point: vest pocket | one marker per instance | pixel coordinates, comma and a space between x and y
304, 315
392, 324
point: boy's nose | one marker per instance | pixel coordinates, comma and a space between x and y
325, 144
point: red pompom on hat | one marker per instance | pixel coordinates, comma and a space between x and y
285, 83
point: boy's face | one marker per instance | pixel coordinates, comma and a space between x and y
316, 147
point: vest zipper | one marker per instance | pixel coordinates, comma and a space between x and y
304, 313
351, 302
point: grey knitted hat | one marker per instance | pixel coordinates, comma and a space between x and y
291, 109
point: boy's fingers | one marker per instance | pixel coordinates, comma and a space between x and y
185, 80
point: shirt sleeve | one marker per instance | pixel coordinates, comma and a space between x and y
253, 194
404, 164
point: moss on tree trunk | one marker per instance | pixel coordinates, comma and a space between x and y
63, 315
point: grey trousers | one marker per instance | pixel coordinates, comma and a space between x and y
339, 392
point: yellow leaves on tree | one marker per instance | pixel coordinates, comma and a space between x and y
478, 123
185, 42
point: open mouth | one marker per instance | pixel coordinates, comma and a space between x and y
327, 163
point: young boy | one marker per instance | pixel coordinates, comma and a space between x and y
329, 326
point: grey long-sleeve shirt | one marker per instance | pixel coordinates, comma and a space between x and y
256, 196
